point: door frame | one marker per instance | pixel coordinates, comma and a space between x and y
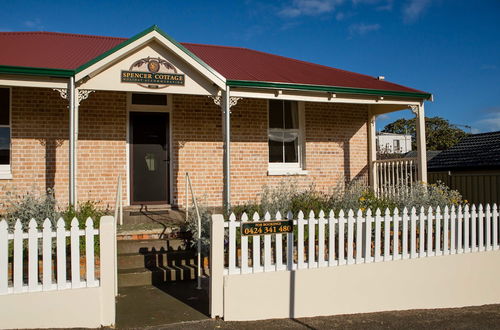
149, 108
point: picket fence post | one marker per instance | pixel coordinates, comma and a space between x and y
107, 236
278, 247
89, 252
244, 247
331, 239
217, 266
47, 255
321, 238
495, 227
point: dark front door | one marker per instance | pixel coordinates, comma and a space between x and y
149, 158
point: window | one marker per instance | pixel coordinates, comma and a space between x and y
5, 133
149, 99
397, 146
285, 137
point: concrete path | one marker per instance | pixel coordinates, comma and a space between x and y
483, 317
146, 306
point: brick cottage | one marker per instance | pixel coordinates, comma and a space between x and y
78, 111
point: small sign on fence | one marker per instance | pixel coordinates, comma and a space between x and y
266, 227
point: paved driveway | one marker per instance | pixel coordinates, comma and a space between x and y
482, 317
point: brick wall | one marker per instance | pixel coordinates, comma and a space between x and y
40, 129
336, 134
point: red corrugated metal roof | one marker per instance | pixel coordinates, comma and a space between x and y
69, 51
52, 50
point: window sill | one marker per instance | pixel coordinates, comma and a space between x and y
5, 176
285, 171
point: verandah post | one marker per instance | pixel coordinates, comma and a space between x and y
226, 112
418, 110
217, 266
372, 149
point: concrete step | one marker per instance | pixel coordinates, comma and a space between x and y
156, 275
164, 216
150, 245
154, 259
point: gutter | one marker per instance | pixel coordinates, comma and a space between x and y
31, 71
324, 88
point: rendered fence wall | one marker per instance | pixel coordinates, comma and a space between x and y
45, 289
315, 260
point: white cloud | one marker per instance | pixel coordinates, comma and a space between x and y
490, 121
309, 8
489, 67
34, 23
362, 28
414, 9
381, 4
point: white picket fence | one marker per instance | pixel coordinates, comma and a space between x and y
46, 270
353, 238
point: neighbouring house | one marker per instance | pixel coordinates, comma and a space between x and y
472, 167
391, 143
78, 111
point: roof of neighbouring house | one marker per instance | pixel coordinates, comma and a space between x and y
63, 51
430, 154
477, 151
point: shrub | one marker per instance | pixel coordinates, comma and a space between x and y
287, 196
31, 205
85, 210
192, 227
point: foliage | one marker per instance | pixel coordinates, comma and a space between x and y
41, 206
192, 227
286, 196
31, 205
85, 210
428, 195
439, 133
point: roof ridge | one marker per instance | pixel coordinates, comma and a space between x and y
63, 34
485, 133
219, 46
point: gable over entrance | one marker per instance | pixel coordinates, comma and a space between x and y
151, 67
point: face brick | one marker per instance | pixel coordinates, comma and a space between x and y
336, 147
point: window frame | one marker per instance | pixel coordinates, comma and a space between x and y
6, 169
296, 168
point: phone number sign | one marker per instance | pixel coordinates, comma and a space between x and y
266, 227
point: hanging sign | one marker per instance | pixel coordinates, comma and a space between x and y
266, 227
153, 73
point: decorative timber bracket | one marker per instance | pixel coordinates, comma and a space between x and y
414, 109
218, 100
83, 94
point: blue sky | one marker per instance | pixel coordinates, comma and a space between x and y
450, 48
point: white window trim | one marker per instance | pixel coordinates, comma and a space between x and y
6, 170
298, 168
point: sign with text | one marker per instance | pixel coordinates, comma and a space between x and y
152, 78
153, 72
266, 227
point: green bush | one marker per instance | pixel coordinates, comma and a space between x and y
31, 205
85, 210
40, 206
287, 196
192, 227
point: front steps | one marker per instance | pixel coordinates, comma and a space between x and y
151, 247
154, 261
